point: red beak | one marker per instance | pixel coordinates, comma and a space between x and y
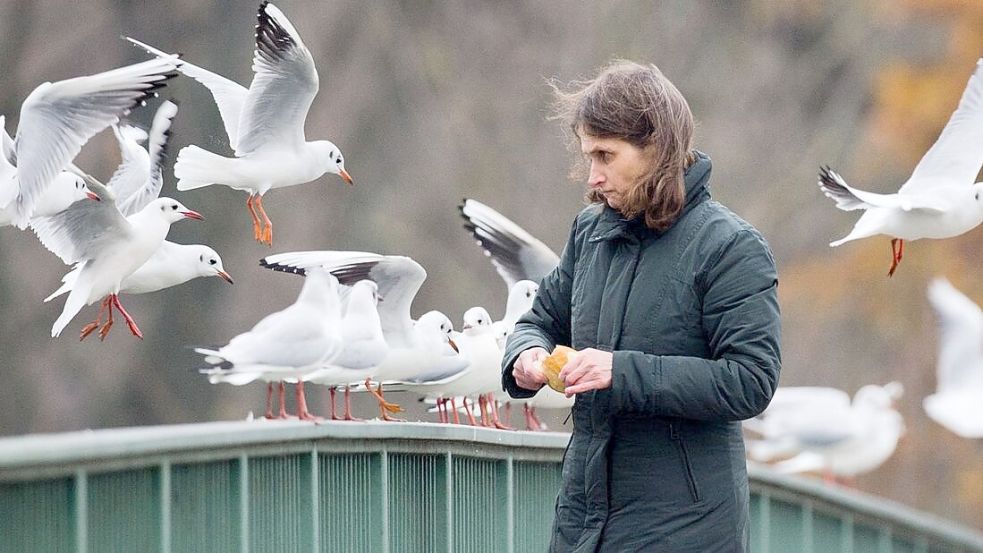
193, 215
225, 276
453, 345
346, 177
92, 196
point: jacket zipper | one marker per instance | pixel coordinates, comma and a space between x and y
690, 478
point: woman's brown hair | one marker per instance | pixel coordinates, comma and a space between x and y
638, 104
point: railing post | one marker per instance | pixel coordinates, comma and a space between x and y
244, 503
165, 506
81, 511
510, 504
315, 502
384, 485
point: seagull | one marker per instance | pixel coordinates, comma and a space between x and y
414, 353
170, 265
957, 403
136, 183
66, 188
516, 254
822, 430
285, 345
108, 247
264, 123
57, 119
940, 199
364, 345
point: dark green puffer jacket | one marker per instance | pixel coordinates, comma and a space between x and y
656, 462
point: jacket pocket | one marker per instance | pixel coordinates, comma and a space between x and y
680, 444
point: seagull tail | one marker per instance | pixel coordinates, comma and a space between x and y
196, 167
74, 304
67, 283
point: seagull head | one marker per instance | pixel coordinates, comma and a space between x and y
334, 162
475, 319
173, 210
436, 323
210, 264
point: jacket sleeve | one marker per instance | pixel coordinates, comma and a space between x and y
741, 320
547, 323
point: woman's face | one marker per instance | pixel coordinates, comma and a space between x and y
615, 167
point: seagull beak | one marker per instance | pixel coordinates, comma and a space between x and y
346, 177
453, 345
225, 276
193, 215
92, 196
467, 327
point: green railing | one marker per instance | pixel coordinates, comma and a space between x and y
344, 487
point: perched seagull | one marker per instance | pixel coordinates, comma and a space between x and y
940, 199
819, 429
108, 247
413, 354
364, 345
265, 123
957, 403
516, 254
136, 183
286, 345
57, 119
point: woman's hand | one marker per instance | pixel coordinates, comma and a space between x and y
589, 370
526, 369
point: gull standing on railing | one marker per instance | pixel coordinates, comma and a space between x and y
940, 199
957, 403
285, 345
57, 119
265, 123
414, 352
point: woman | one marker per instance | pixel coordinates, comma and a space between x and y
671, 300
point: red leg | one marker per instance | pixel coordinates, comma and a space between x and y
267, 237
104, 330
897, 252
269, 400
482, 408
467, 410
331, 393
384, 406
302, 412
348, 406
89, 328
257, 231
530, 423
494, 411
535, 418
283, 402
129, 320
457, 419
442, 409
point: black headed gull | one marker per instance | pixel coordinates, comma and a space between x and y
516, 254
820, 429
957, 403
107, 246
287, 344
415, 352
57, 119
265, 123
941, 198
65, 189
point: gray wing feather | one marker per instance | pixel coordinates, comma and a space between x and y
85, 229
152, 177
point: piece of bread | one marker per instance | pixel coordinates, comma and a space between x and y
552, 365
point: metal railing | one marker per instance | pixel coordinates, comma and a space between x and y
288, 486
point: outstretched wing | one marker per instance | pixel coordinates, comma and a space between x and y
141, 183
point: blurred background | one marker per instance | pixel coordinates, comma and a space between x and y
433, 102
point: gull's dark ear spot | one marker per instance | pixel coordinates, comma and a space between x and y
201, 257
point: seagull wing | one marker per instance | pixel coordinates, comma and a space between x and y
229, 95
515, 253
399, 279
956, 156
283, 87
85, 229
6, 143
148, 175
960, 336
57, 118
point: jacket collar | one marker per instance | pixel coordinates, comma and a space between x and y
611, 225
